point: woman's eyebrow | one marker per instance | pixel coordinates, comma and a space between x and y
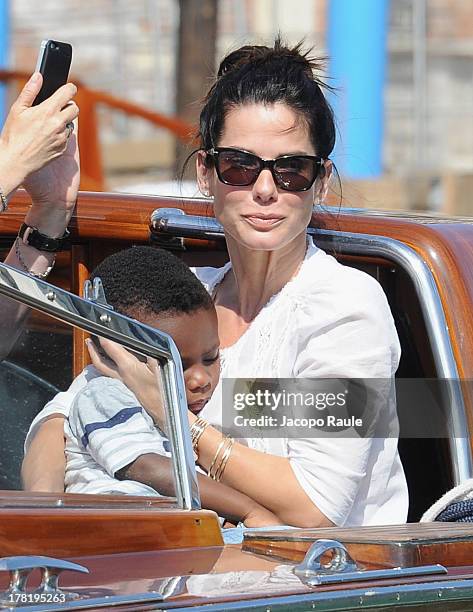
298, 152
241, 148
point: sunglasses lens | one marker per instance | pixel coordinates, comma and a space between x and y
237, 167
296, 173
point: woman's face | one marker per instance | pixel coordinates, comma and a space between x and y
262, 216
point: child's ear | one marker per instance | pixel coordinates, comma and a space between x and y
204, 174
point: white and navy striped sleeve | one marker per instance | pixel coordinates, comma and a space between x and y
108, 423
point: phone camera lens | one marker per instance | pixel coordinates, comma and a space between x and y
52, 46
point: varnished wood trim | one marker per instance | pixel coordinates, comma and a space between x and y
450, 544
75, 532
80, 273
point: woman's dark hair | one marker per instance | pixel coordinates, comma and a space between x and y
142, 281
266, 75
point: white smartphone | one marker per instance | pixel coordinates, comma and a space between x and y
54, 62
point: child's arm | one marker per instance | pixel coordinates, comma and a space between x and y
44, 463
156, 472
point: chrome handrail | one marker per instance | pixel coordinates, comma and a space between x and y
191, 226
100, 320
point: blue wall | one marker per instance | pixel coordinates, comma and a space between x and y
357, 52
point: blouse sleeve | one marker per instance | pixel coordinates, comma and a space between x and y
349, 336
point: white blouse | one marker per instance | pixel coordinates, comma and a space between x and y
329, 321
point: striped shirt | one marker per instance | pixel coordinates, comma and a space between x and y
106, 430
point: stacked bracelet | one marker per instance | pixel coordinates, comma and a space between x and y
3, 202
221, 457
40, 275
219, 462
197, 429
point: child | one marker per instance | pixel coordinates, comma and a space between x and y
112, 445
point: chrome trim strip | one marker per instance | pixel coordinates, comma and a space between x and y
350, 599
191, 226
102, 321
394, 573
346, 599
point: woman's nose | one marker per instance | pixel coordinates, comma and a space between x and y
264, 188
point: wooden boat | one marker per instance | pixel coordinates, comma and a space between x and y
167, 553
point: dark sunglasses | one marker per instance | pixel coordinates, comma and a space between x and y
290, 172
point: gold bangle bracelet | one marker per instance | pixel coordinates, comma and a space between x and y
225, 457
197, 429
214, 460
222, 457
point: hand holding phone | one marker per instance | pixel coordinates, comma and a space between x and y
54, 62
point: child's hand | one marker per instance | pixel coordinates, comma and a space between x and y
259, 516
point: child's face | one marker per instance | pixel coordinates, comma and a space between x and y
196, 337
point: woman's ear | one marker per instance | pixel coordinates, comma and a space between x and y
203, 174
324, 181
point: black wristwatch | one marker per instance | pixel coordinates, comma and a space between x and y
32, 236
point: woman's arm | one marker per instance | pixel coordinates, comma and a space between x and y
268, 479
44, 463
35, 151
156, 471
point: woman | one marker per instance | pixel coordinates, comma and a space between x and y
39, 151
285, 308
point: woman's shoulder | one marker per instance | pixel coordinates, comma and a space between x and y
346, 311
323, 277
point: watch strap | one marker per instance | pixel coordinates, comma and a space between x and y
32, 236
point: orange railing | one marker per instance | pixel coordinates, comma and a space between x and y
88, 99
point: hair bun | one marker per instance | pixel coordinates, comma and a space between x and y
257, 55
242, 56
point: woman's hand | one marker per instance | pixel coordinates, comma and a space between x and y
141, 378
53, 190
33, 136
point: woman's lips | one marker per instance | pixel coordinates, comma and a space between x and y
262, 221
196, 407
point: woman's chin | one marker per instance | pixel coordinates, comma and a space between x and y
264, 240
